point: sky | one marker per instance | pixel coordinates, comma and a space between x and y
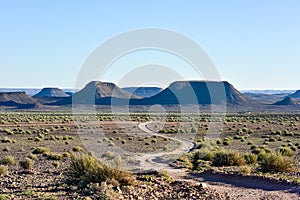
254, 44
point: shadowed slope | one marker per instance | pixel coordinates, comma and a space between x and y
51, 92
144, 92
295, 94
97, 92
17, 99
288, 101
199, 92
180, 92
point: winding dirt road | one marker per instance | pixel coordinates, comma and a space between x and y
226, 186
153, 161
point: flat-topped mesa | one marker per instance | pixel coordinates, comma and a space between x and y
179, 92
51, 92
200, 92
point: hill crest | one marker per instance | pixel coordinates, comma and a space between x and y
288, 101
295, 94
51, 92
17, 99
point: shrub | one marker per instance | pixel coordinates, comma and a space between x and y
165, 176
258, 150
219, 141
294, 148
272, 139
3, 170
186, 161
4, 197
55, 156
27, 163
162, 131
250, 158
56, 163
285, 151
245, 170
205, 154
38, 139
8, 160
6, 140
32, 156
41, 150
276, 162
66, 154
77, 149
7, 149
85, 169
228, 158
154, 140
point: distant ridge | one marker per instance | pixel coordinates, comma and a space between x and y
295, 94
51, 92
288, 101
180, 92
29, 91
103, 93
17, 99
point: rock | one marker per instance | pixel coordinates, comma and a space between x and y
144, 186
203, 185
117, 189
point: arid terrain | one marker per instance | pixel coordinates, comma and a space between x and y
192, 140
38, 148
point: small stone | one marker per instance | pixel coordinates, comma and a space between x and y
118, 190
203, 185
144, 186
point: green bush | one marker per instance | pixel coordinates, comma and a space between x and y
41, 150
85, 169
276, 162
162, 131
32, 156
258, 150
54, 156
250, 158
77, 149
285, 151
228, 158
7, 149
8, 160
3, 170
204, 154
7, 140
56, 164
27, 163
226, 143
4, 197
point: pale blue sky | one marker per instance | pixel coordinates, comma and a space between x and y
254, 44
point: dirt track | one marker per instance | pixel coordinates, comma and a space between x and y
226, 186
